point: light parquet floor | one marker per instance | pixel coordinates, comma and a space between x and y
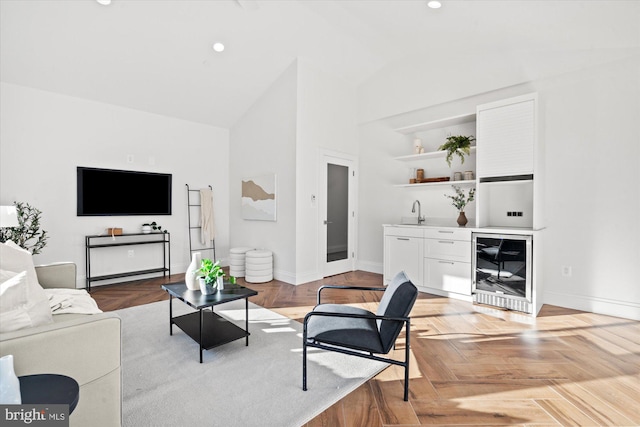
471, 365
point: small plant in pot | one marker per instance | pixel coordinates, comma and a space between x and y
459, 145
211, 276
460, 200
148, 227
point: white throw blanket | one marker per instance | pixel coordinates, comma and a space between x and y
207, 225
65, 301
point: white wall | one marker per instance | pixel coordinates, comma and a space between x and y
44, 136
326, 123
421, 81
264, 141
590, 127
304, 112
379, 202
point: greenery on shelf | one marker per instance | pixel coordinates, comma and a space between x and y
460, 200
27, 234
459, 145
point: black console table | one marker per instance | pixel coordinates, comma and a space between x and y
129, 239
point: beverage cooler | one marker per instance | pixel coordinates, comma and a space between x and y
502, 269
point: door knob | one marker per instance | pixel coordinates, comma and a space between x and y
327, 222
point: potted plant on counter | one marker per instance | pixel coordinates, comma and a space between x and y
459, 145
460, 200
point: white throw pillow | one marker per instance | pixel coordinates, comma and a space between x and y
15, 259
13, 301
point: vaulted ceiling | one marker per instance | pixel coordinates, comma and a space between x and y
156, 55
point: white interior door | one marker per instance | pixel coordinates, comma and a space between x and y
337, 213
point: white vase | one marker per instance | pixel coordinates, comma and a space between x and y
220, 283
190, 275
9, 382
146, 229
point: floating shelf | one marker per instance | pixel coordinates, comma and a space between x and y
443, 123
425, 156
430, 184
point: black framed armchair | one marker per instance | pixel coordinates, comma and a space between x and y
359, 332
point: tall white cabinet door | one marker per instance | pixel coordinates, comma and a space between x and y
506, 137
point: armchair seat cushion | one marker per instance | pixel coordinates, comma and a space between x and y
352, 332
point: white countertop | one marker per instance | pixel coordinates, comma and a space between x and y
451, 223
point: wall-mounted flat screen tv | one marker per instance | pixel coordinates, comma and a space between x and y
103, 192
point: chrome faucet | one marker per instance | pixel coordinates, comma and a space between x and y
413, 210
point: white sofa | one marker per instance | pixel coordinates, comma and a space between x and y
86, 347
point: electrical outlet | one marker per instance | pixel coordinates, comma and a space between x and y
130, 253
129, 158
566, 271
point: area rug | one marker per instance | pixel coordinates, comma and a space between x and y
257, 385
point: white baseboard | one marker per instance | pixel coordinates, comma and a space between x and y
609, 307
369, 266
440, 292
295, 279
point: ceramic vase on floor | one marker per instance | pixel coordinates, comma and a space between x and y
462, 219
9, 382
190, 278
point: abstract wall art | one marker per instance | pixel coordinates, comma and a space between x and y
259, 198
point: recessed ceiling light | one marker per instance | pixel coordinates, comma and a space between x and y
434, 4
218, 47
104, 2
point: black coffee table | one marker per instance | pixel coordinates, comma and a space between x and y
205, 327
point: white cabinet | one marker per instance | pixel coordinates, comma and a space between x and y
448, 277
442, 248
447, 262
436, 259
403, 251
509, 164
506, 135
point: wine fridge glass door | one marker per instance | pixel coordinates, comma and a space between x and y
502, 265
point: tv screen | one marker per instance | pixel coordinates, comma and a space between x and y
103, 192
